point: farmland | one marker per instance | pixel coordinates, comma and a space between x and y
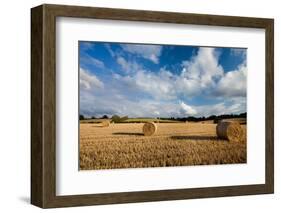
174, 144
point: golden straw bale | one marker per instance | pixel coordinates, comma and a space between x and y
149, 128
105, 123
230, 130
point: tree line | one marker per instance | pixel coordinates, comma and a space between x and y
216, 118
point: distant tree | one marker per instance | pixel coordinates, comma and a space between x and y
125, 117
115, 118
118, 119
216, 120
212, 117
81, 117
104, 117
93, 117
243, 115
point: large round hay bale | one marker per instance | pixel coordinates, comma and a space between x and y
149, 128
105, 123
230, 130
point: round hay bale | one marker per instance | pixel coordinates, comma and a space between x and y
230, 130
105, 123
149, 128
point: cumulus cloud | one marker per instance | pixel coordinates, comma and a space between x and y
224, 107
86, 59
97, 62
159, 85
203, 69
86, 45
111, 52
200, 75
89, 81
128, 66
149, 52
233, 83
187, 110
238, 52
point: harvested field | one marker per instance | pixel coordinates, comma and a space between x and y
174, 144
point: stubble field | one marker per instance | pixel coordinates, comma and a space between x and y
174, 144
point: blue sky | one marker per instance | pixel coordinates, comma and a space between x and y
140, 80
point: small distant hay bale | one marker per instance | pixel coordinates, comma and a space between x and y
230, 130
149, 128
105, 123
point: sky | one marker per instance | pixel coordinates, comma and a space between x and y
147, 80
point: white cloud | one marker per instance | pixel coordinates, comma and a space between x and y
204, 74
187, 110
128, 66
234, 83
111, 52
149, 52
121, 61
97, 63
227, 106
238, 52
160, 86
86, 45
187, 87
88, 81
200, 75
156, 112
93, 61
203, 69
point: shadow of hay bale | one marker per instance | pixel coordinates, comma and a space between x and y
128, 133
194, 137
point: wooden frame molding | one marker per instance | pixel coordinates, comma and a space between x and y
43, 105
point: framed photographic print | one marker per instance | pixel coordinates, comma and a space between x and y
136, 106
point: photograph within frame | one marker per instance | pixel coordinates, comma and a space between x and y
152, 105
